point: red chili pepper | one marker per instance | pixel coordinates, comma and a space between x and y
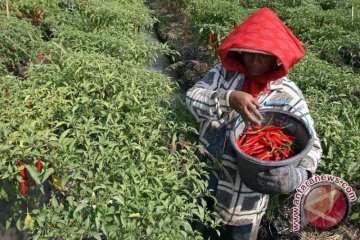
244, 148
23, 188
264, 156
276, 140
41, 57
22, 172
266, 143
282, 153
277, 156
242, 139
253, 130
257, 147
259, 150
254, 138
288, 138
287, 152
24, 178
238, 142
211, 38
39, 165
257, 127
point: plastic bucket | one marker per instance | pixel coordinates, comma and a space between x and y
249, 167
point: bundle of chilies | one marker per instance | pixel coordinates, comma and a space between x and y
266, 143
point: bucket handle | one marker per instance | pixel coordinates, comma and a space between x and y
278, 104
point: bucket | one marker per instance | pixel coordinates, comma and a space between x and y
249, 167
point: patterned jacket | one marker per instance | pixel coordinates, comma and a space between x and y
208, 101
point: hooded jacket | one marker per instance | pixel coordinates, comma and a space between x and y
262, 32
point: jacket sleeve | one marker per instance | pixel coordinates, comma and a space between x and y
207, 100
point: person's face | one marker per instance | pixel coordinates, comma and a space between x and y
258, 64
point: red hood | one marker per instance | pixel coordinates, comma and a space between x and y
263, 31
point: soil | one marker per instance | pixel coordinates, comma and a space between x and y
5, 213
194, 61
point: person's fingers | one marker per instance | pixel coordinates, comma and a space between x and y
256, 103
251, 118
257, 113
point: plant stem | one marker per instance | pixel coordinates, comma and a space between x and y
352, 14
7, 8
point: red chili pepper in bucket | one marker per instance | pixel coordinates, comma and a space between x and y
266, 143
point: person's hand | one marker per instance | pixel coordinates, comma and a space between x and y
246, 105
282, 179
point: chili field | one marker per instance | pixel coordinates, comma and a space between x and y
108, 147
89, 148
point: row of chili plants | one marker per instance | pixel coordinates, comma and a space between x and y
329, 81
329, 30
78, 99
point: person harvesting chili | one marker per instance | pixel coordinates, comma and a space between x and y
254, 61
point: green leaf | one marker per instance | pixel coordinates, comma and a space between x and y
355, 216
54, 201
119, 199
79, 208
60, 47
47, 174
184, 234
201, 212
87, 223
96, 235
8, 223
187, 227
63, 135
18, 224
5, 175
105, 228
97, 220
33, 173
352, 167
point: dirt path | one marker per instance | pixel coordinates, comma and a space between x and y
194, 61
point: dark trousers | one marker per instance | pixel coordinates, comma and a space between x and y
227, 232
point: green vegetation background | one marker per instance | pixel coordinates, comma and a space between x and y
76, 94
